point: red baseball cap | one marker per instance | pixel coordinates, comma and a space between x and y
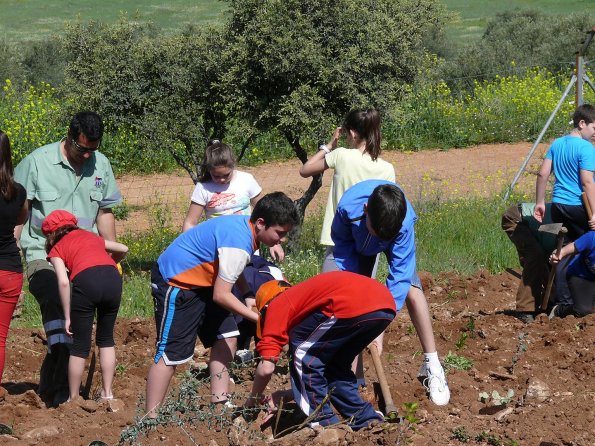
267, 292
56, 220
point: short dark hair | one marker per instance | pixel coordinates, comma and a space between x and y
585, 112
88, 123
386, 210
275, 208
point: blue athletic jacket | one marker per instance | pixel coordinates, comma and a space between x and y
354, 244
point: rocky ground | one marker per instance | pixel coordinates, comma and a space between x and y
548, 365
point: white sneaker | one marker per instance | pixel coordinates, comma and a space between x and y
244, 355
434, 380
553, 314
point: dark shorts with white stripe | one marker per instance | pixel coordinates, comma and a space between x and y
182, 315
322, 349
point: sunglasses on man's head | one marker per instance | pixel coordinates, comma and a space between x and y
83, 149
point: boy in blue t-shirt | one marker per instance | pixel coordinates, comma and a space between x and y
192, 291
572, 159
373, 216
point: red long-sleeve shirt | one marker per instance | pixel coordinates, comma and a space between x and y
339, 293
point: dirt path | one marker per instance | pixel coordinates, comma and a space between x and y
481, 170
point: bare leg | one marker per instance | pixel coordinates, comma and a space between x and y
221, 355
419, 313
76, 366
107, 360
158, 380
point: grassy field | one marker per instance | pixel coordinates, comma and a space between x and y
474, 14
28, 20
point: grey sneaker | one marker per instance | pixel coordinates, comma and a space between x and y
244, 356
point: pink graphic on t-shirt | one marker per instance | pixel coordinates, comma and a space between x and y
221, 200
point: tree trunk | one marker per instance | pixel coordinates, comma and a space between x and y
301, 203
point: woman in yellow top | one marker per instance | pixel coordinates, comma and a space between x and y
360, 162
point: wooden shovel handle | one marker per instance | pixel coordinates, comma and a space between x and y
390, 408
550, 280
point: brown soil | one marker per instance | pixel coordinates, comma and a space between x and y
548, 365
430, 174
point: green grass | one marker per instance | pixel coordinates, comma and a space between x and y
33, 20
473, 15
461, 236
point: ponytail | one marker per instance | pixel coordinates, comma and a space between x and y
367, 125
217, 154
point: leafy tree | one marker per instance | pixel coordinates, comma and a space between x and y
517, 40
298, 66
162, 87
291, 66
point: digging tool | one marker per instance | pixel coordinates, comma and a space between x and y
89, 382
389, 407
550, 280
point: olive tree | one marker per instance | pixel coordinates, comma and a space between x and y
299, 65
290, 66
162, 87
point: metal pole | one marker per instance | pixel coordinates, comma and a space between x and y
538, 140
588, 81
580, 73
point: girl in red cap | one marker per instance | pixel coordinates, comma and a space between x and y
81, 257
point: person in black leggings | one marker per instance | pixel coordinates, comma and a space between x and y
96, 286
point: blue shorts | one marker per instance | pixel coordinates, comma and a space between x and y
182, 315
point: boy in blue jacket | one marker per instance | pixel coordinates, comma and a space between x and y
374, 216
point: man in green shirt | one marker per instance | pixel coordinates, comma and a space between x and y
71, 175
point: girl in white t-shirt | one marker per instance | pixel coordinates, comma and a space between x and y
360, 162
223, 190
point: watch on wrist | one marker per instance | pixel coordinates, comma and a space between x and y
324, 148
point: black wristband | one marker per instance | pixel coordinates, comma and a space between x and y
248, 294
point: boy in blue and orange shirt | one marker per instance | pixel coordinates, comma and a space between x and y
192, 285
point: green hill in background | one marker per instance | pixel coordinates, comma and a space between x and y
473, 15
30, 20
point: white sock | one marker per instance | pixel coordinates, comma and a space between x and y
432, 360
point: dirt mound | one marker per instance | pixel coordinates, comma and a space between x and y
548, 365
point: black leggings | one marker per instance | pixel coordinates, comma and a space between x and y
96, 288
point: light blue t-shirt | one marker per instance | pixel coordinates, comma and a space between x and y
570, 154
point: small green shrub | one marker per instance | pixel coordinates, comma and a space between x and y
452, 361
